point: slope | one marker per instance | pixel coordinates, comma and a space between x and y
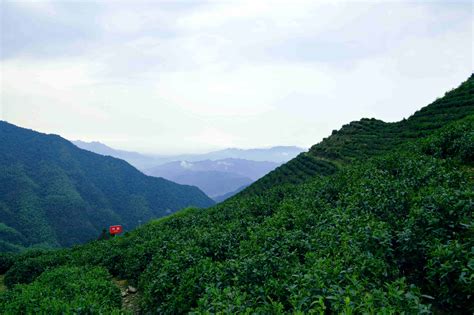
369, 137
138, 160
55, 194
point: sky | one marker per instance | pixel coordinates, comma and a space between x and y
171, 77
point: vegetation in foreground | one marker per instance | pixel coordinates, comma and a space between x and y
393, 234
65, 290
388, 233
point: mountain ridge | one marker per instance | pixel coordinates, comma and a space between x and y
56, 194
143, 161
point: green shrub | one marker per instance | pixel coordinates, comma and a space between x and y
26, 268
64, 290
6, 261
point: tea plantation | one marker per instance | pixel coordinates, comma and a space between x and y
355, 226
370, 137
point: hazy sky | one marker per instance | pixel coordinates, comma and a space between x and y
172, 77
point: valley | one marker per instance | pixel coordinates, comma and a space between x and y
219, 174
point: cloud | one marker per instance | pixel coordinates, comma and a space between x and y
170, 77
185, 164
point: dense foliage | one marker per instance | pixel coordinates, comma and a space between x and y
65, 290
55, 194
390, 233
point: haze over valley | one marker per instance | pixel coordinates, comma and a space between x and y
220, 174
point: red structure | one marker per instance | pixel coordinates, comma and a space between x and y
115, 229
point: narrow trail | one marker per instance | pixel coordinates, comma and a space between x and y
2, 285
130, 297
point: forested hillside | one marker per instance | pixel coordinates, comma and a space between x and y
55, 194
370, 137
391, 232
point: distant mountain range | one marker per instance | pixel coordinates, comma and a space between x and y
279, 154
138, 160
215, 178
218, 174
54, 194
142, 161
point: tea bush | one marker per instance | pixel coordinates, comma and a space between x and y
64, 290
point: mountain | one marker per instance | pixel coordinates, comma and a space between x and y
245, 168
213, 183
215, 178
356, 226
226, 196
55, 194
217, 173
277, 154
140, 161
145, 161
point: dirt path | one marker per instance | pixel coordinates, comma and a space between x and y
2, 285
130, 299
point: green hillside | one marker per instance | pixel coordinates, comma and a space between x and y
369, 137
54, 194
390, 232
